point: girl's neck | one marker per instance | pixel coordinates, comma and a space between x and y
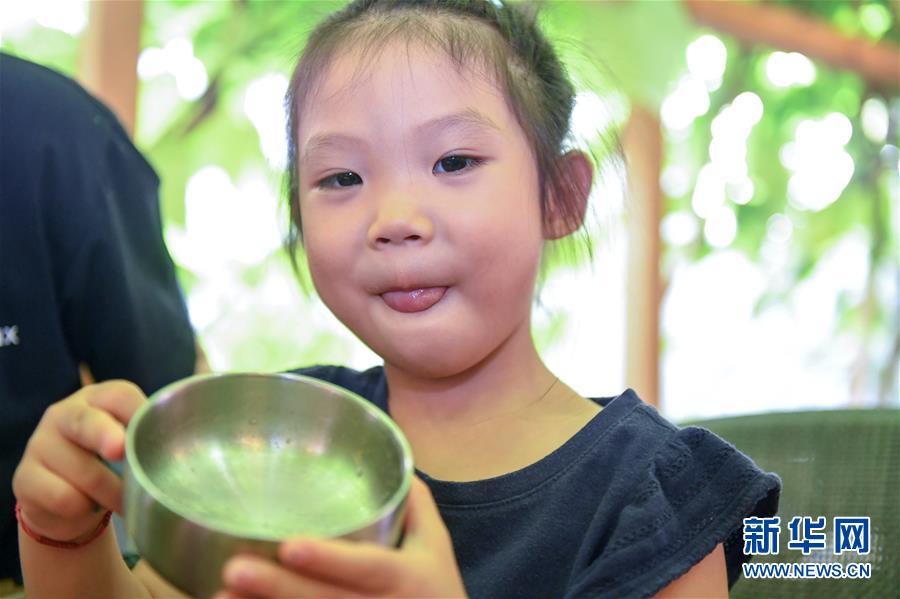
505, 383
509, 407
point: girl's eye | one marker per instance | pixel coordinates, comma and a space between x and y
340, 180
452, 164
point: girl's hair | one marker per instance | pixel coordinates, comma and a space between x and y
509, 45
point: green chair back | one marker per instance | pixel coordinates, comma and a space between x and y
832, 463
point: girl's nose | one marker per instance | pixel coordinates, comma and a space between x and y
400, 222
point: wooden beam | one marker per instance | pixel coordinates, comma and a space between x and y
643, 143
109, 55
792, 30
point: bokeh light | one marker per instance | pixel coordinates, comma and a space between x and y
689, 100
706, 60
787, 69
874, 116
264, 106
821, 166
68, 16
177, 59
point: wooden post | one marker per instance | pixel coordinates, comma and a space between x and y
109, 55
642, 141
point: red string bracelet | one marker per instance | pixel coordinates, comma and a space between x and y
62, 544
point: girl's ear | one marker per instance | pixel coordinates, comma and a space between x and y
566, 214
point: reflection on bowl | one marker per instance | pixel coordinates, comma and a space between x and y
219, 464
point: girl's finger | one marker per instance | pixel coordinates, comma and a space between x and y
120, 398
44, 491
258, 577
82, 470
364, 566
90, 428
351, 564
423, 524
52, 507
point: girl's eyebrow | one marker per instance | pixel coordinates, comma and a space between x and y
468, 120
465, 120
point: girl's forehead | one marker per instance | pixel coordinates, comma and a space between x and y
399, 78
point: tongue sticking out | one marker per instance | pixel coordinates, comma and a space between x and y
415, 300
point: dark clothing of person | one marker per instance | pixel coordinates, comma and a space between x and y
626, 506
84, 274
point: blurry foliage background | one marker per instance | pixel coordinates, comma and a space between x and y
781, 178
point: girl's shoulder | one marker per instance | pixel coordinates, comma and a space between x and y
670, 496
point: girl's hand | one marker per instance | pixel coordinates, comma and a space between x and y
62, 486
424, 566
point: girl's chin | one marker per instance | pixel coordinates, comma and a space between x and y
419, 368
427, 359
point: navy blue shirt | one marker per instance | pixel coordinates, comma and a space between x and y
84, 274
626, 506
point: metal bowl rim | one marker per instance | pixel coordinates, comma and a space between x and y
160, 396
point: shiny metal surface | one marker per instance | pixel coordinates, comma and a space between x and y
218, 464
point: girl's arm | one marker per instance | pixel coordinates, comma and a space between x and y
95, 570
708, 578
155, 583
59, 485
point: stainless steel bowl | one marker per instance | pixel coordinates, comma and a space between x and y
221, 464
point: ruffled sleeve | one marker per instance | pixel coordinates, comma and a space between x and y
689, 495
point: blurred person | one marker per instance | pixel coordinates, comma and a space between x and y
85, 278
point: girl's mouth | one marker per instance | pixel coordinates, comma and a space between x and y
413, 300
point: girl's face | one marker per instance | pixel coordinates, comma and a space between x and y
416, 177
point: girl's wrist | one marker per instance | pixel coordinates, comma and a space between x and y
75, 543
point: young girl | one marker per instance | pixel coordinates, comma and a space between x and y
426, 175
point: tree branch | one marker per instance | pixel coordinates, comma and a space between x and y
787, 29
